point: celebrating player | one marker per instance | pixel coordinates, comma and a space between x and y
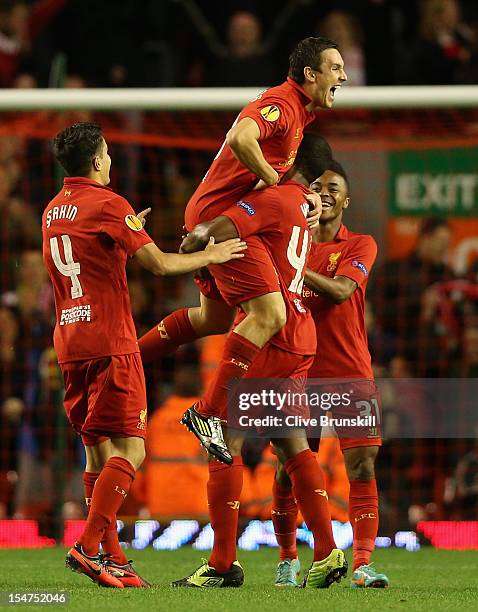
88, 232
260, 147
280, 220
336, 279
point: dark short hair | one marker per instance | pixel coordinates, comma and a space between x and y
307, 53
430, 224
337, 168
314, 156
76, 146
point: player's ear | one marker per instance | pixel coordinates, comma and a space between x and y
309, 74
346, 203
96, 163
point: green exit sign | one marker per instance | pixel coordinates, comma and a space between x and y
440, 181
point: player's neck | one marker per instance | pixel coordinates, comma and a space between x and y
327, 231
95, 176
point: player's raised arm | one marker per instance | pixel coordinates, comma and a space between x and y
243, 138
164, 264
221, 228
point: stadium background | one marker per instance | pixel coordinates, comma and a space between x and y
414, 188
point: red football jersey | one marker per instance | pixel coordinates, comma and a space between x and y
88, 231
281, 116
342, 347
279, 216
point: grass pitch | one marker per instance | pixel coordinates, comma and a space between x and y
424, 580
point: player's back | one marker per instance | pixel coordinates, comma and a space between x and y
88, 231
281, 114
278, 215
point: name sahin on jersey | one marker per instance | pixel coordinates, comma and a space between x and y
65, 211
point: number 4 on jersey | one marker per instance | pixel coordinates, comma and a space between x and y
69, 268
297, 261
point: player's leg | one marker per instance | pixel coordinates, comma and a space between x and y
116, 461
212, 316
116, 394
265, 316
255, 287
308, 486
77, 378
363, 511
223, 491
126, 453
284, 518
98, 451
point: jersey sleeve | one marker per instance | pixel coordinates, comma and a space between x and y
272, 115
256, 213
359, 260
120, 223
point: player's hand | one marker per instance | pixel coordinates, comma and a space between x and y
262, 184
315, 209
224, 251
143, 214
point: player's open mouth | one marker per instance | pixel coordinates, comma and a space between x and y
326, 205
333, 90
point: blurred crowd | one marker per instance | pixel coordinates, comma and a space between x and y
177, 43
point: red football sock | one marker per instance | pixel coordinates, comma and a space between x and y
89, 479
164, 338
223, 493
109, 492
284, 519
111, 545
237, 356
363, 511
110, 542
308, 484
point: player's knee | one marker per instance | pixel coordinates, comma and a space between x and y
276, 318
282, 477
234, 443
207, 322
139, 457
360, 466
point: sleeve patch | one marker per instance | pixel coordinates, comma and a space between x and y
250, 210
358, 264
133, 223
270, 113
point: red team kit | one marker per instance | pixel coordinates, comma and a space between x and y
89, 231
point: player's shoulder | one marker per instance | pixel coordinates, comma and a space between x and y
115, 202
269, 194
355, 239
278, 95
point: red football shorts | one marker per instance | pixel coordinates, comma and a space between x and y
240, 280
286, 373
366, 403
274, 362
106, 397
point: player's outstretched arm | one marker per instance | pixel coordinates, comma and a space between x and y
337, 289
165, 264
221, 228
243, 138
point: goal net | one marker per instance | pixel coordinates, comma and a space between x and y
411, 155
